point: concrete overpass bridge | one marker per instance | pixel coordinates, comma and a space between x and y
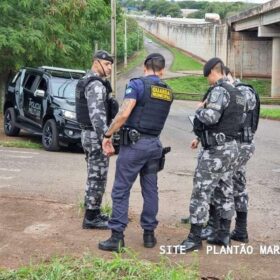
262, 22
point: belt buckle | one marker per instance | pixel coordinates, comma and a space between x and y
220, 138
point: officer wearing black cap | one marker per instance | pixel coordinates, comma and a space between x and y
216, 124
92, 98
246, 148
142, 116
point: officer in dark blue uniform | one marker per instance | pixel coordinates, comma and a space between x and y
142, 116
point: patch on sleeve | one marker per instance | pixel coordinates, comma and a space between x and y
128, 90
161, 93
214, 96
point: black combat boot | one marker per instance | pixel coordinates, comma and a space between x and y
149, 239
114, 243
240, 232
212, 224
222, 236
193, 242
93, 219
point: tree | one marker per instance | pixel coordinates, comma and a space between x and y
51, 32
134, 37
56, 32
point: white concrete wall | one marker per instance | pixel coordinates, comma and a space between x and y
245, 53
197, 39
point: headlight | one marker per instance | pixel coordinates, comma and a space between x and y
69, 115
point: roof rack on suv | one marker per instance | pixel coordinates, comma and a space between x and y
49, 68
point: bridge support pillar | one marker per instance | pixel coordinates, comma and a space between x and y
275, 73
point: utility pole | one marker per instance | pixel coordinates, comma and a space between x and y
113, 46
96, 46
125, 43
138, 38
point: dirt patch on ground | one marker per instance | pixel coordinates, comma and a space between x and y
37, 229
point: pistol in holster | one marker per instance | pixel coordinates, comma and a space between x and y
155, 165
162, 159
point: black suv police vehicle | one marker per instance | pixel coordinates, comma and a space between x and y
42, 100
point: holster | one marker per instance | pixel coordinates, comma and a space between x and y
162, 159
116, 142
129, 136
124, 139
155, 165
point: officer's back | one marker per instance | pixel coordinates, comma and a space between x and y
142, 117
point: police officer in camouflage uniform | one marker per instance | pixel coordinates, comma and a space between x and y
246, 149
91, 96
216, 124
142, 116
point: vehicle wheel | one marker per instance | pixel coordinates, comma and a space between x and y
50, 136
9, 122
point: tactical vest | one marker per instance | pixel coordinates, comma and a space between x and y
252, 116
230, 121
110, 104
150, 112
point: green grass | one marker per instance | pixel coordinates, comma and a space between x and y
21, 144
271, 113
199, 84
262, 86
188, 84
187, 87
89, 268
106, 208
181, 61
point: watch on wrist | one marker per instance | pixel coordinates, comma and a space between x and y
107, 136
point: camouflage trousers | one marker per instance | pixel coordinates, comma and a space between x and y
246, 150
97, 169
214, 170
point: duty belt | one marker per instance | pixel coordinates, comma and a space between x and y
131, 136
210, 140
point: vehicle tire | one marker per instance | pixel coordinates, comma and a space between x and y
9, 122
50, 136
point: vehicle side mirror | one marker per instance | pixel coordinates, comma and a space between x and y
39, 93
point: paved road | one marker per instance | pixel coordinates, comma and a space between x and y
138, 71
61, 176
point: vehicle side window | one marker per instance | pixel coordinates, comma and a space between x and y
31, 82
43, 85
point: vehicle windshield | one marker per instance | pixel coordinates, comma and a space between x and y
63, 88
